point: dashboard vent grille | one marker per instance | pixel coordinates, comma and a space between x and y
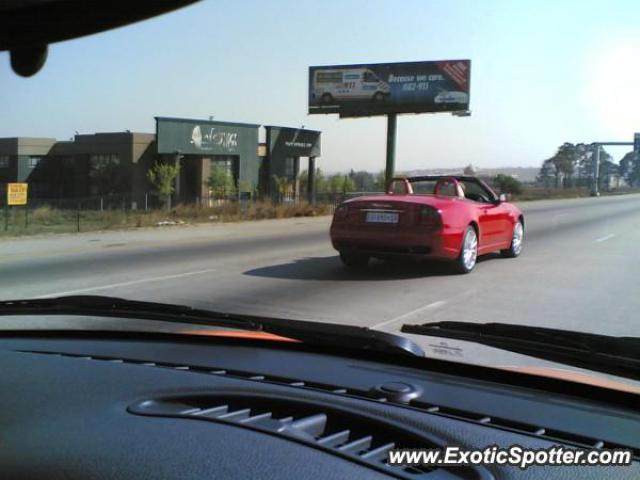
356, 437
544, 432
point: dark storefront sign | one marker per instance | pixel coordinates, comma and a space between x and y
293, 142
383, 88
202, 142
199, 137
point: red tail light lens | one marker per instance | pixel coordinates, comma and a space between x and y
430, 217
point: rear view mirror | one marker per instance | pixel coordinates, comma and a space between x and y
27, 28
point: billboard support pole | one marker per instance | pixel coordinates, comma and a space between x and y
391, 147
311, 181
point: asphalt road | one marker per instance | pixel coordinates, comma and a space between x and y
579, 271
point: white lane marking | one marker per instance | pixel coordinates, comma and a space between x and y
606, 237
126, 284
430, 306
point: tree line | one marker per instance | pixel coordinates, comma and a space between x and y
573, 166
222, 185
354, 181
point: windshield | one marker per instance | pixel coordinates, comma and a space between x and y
203, 158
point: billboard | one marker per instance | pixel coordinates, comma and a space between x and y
293, 142
382, 88
202, 137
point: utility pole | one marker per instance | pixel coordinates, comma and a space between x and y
596, 170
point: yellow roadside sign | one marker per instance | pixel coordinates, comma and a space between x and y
17, 193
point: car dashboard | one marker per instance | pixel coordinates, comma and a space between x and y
81, 405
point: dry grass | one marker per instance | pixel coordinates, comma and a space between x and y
48, 220
538, 193
234, 212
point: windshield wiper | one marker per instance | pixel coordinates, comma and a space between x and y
315, 333
613, 355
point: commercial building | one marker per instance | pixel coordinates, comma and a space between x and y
89, 165
117, 163
284, 147
198, 145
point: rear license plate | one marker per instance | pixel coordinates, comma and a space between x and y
382, 217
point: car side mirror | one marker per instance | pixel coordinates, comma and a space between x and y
501, 198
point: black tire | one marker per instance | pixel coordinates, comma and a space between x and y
515, 248
326, 98
379, 97
466, 260
354, 260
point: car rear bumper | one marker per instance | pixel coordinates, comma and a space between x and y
391, 241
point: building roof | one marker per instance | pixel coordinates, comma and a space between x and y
293, 128
209, 122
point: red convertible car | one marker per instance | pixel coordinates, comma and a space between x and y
455, 218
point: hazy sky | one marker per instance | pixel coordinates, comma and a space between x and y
543, 72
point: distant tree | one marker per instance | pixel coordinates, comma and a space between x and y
607, 170
348, 185
547, 175
319, 180
363, 181
630, 168
380, 182
469, 170
220, 182
162, 176
584, 166
507, 184
566, 161
341, 184
572, 165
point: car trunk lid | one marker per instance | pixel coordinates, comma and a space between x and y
393, 211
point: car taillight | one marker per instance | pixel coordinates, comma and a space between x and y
430, 217
341, 212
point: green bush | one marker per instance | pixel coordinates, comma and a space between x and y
507, 184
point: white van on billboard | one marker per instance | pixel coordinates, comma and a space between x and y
348, 84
